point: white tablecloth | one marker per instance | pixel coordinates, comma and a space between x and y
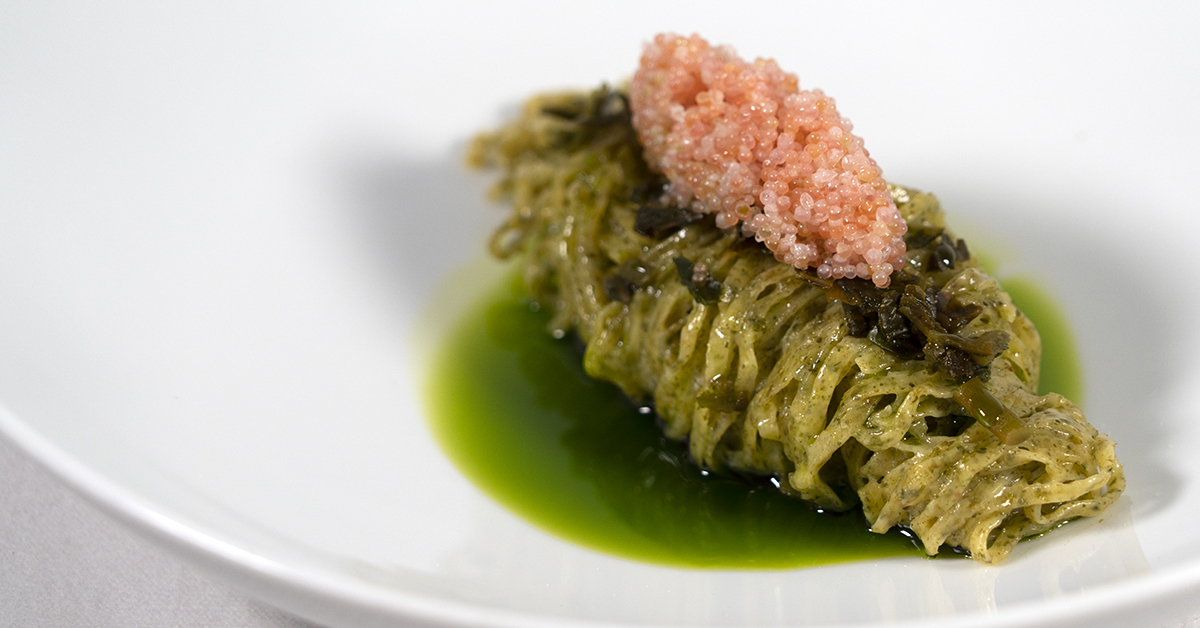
64, 563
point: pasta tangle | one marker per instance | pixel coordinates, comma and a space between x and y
757, 368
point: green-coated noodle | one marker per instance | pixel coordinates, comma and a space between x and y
758, 368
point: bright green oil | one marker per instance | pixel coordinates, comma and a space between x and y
515, 411
1061, 372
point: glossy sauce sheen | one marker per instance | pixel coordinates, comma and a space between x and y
514, 410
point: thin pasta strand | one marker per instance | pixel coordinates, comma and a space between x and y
767, 379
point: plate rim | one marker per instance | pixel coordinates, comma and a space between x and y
307, 593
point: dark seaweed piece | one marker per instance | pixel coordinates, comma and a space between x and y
854, 292
611, 108
655, 218
857, 320
604, 107
960, 247
623, 281
961, 357
980, 403
944, 256
913, 319
893, 331
947, 254
657, 223
601, 118
618, 289
864, 293
872, 312
703, 287
565, 113
952, 315
957, 363
649, 190
920, 237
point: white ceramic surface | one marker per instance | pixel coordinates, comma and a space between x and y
219, 269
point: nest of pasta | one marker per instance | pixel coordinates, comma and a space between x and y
853, 396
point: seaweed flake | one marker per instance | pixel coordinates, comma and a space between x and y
601, 118
920, 237
944, 256
621, 283
914, 319
618, 289
947, 253
1000, 420
650, 190
655, 217
959, 356
658, 222
699, 282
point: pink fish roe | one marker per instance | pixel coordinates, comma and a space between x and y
742, 140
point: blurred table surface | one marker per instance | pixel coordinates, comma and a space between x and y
65, 563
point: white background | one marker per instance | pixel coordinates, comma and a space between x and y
222, 226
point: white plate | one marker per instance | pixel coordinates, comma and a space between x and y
221, 230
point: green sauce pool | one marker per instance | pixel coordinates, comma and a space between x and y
1060, 371
514, 410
